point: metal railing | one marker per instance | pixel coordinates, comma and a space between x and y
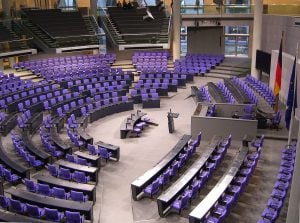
213, 9
151, 36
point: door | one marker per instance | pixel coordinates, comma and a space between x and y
207, 40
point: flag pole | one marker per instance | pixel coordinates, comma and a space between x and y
295, 88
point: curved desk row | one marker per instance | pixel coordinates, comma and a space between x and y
238, 95
12, 164
59, 142
140, 183
165, 200
88, 170
199, 212
87, 189
115, 150
215, 93
110, 109
7, 216
37, 152
8, 123
85, 208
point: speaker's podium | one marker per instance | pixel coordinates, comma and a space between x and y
171, 117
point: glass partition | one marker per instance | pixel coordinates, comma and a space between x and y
236, 40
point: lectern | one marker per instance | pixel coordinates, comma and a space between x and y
171, 117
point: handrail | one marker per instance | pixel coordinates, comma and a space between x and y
9, 41
98, 30
104, 24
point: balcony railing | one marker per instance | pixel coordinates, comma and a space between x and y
213, 9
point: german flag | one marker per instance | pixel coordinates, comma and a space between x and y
277, 85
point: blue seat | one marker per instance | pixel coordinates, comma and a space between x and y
270, 214
220, 211
65, 174
35, 163
12, 178
103, 152
60, 193
152, 189
70, 158
83, 161
193, 190
17, 206
53, 215
180, 203
74, 217
44, 189
4, 202
35, 211
227, 200
30, 185
53, 170
279, 194
274, 203
164, 178
80, 177
78, 196
281, 185
92, 149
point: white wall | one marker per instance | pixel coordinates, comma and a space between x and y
287, 66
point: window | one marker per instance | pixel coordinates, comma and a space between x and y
236, 40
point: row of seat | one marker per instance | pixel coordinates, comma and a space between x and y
246, 89
172, 170
56, 192
67, 174
47, 140
38, 212
261, 88
281, 186
225, 92
198, 182
204, 94
222, 207
20, 148
8, 175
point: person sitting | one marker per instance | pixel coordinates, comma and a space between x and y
119, 4
124, 4
129, 5
236, 115
135, 4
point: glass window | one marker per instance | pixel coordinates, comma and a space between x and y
236, 40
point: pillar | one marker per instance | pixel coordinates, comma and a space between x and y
93, 9
294, 200
11, 61
257, 31
6, 8
176, 29
1, 64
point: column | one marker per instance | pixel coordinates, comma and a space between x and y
256, 40
1, 64
5, 7
176, 29
294, 200
93, 8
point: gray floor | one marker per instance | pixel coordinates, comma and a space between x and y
114, 203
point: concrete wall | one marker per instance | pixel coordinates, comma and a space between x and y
210, 126
273, 26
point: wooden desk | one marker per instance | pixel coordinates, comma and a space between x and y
61, 144
84, 136
143, 181
129, 123
166, 199
95, 160
115, 150
85, 208
199, 212
88, 189
91, 171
